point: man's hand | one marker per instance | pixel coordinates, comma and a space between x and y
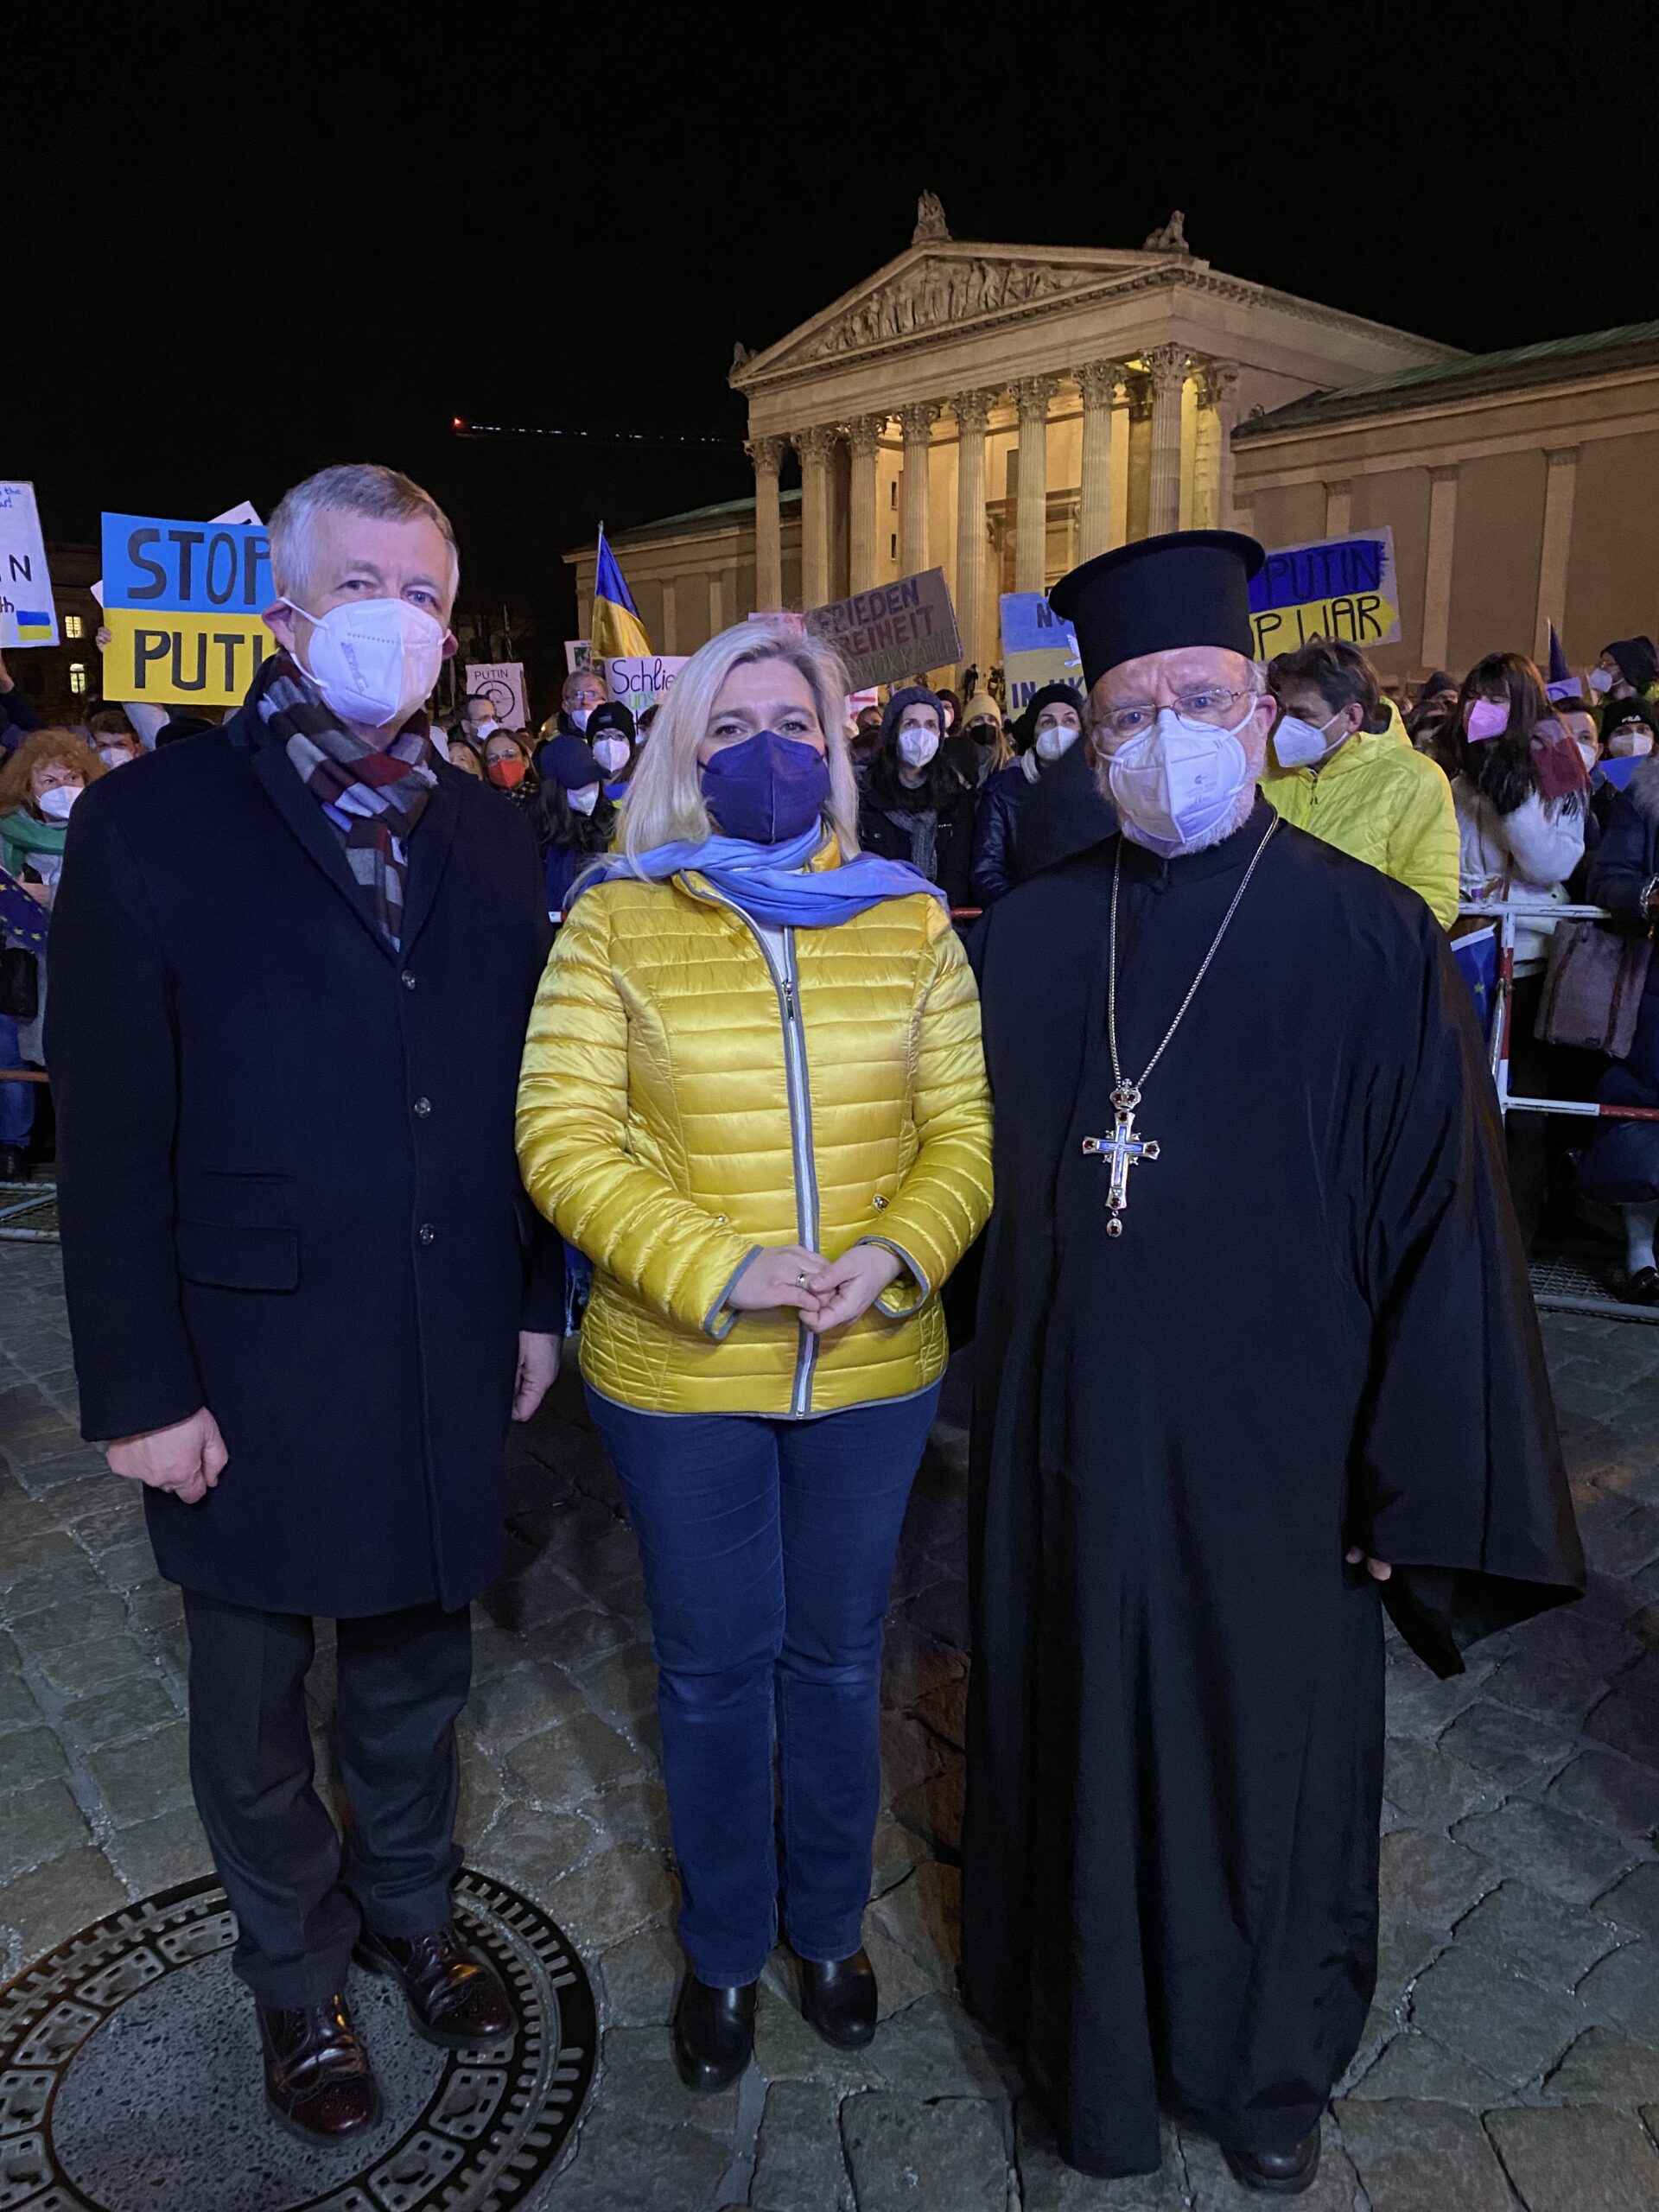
105, 638
778, 1276
850, 1286
538, 1371
1378, 1569
188, 1459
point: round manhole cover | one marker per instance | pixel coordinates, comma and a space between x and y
130, 2074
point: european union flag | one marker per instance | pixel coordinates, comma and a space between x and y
23, 919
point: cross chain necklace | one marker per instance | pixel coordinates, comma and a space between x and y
1124, 1148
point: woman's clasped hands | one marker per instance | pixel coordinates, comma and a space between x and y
827, 1293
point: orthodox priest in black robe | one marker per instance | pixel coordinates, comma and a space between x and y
1244, 1349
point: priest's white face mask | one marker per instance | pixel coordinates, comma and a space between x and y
1184, 733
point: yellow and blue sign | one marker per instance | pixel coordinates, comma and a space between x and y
1341, 587
182, 602
1038, 647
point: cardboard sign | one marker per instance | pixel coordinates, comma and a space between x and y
892, 631
29, 613
182, 603
244, 510
1330, 587
1038, 647
578, 655
643, 680
502, 682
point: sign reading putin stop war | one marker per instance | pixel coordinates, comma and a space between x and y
1330, 587
892, 630
182, 603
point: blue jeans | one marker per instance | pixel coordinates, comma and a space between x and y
768, 1549
16, 1099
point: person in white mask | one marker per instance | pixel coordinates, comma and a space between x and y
1048, 729
305, 1284
481, 719
1246, 1167
913, 805
583, 691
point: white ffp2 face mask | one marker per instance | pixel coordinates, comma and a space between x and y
374, 660
1601, 682
1299, 744
1623, 745
612, 753
57, 805
917, 747
1054, 739
583, 801
1178, 780
579, 717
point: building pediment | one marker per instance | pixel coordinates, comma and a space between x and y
948, 286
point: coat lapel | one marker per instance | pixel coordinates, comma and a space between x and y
429, 854
316, 832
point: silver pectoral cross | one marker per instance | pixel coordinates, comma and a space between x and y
1125, 1150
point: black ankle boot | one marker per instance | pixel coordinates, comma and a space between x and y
1277, 2173
838, 1997
714, 2033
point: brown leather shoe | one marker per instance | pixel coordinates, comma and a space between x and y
318, 2079
455, 1999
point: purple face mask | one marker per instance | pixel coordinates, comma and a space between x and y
1486, 718
766, 790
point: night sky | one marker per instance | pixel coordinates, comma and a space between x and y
224, 269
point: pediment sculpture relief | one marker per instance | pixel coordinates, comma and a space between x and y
939, 293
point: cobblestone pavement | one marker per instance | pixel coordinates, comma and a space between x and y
1513, 2055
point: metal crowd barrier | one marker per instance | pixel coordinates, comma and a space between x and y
1564, 1285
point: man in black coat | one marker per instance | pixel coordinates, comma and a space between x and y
291, 966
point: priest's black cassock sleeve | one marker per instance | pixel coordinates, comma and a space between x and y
1316, 1329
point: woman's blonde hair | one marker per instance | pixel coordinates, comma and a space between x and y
44, 748
664, 803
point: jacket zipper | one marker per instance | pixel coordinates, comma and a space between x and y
800, 1131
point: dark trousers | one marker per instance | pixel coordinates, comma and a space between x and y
768, 1550
299, 1891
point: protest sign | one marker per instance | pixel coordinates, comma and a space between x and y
643, 680
244, 510
502, 682
1329, 588
182, 603
28, 614
1038, 647
578, 655
893, 629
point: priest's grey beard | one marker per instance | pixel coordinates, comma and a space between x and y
1243, 807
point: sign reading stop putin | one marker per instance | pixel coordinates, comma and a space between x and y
182, 602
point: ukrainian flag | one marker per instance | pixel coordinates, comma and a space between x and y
33, 627
617, 633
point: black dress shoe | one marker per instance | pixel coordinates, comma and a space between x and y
839, 1999
714, 2033
1642, 1287
14, 1168
455, 1999
1277, 2173
318, 2079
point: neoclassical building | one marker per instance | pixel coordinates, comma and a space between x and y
1004, 411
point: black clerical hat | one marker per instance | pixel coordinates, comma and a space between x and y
1190, 587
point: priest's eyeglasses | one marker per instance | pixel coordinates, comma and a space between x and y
1214, 704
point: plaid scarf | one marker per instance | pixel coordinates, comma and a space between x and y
374, 797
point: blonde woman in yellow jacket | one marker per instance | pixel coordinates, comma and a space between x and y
753, 1093
1344, 770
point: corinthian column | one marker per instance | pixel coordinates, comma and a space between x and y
1218, 398
862, 435
972, 410
1166, 366
1098, 382
916, 421
1032, 396
816, 447
767, 454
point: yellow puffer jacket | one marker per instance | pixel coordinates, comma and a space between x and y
1384, 802
682, 1103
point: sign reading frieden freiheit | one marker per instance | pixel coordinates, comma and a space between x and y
892, 630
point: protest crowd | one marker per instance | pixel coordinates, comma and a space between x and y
755, 1044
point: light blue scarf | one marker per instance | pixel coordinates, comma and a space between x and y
765, 883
